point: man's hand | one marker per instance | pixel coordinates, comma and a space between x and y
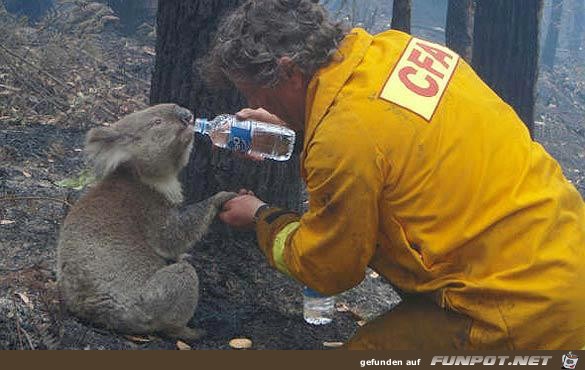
239, 211
260, 114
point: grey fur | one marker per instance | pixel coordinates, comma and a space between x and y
121, 248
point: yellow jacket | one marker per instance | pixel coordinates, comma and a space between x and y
417, 169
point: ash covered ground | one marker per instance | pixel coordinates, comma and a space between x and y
42, 128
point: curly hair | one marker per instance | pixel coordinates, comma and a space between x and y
251, 39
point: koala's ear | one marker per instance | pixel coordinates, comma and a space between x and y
102, 134
105, 149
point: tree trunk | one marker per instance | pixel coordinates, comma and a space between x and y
401, 15
505, 51
185, 29
576, 37
459, 32
552, 36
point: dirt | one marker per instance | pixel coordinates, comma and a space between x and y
241, 296
41, 145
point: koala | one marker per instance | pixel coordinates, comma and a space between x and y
121, 261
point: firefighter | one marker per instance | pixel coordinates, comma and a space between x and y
415, 168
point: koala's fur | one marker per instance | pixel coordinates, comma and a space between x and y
120, 249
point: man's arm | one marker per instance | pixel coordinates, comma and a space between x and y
329, 248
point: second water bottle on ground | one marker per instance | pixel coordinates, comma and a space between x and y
262, 139
317, 308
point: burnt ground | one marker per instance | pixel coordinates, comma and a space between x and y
71, 72
241, 296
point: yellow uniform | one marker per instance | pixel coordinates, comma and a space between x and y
418, 169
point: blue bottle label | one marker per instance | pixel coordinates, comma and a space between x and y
240, 139
308, 292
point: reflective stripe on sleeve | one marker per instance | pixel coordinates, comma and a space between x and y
278, 247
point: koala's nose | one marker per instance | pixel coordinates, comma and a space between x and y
185, 115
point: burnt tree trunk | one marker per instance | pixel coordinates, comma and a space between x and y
576, 37
459, 30
505, 51
401, 15
552, 36
185, 29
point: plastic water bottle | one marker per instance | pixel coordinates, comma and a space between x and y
263, 139
317, 308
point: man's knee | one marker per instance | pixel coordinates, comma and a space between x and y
417, 323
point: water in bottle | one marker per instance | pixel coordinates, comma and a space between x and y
262, 139
317, 308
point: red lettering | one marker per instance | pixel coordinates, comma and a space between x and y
427, 63
438, 54
431, 90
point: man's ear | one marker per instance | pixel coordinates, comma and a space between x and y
289, 70
286, 66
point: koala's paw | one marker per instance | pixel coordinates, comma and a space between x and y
223, 196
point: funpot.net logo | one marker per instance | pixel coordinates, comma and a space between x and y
491, 360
